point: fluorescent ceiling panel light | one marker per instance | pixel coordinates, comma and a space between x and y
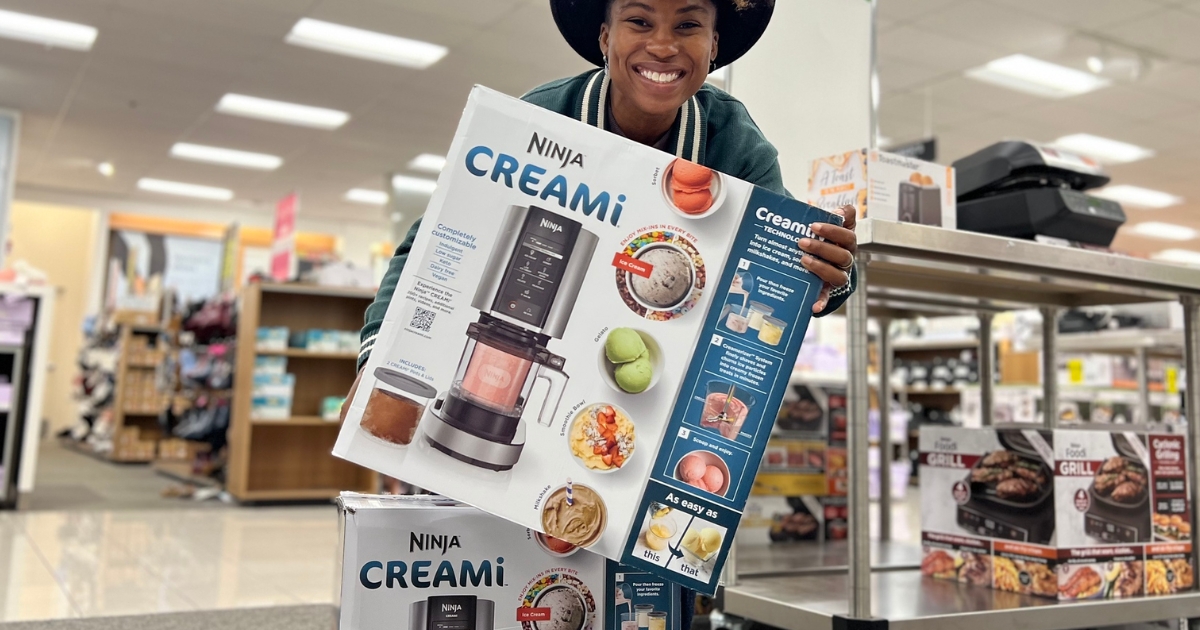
428, 162
184, 190
1034, 76
1165, 231
364, 44
404, 183
281, 112
47, 32
1182, 256
1138, 197
106, 169
362, 195
1103, 149
228, 157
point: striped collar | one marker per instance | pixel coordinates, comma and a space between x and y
688, 134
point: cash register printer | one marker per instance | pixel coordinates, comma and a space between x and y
1025, 190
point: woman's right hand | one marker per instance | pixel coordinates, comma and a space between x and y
350, 397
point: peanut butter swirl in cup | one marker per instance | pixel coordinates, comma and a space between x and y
581, 521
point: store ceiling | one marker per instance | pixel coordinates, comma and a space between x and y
159, 67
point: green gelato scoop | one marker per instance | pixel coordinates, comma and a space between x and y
634, 377
623, 345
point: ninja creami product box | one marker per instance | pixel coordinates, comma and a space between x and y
1077, 514
885, 186
591, 338
428, 563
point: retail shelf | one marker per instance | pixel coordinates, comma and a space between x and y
909, 601
313, 289
911, 345
142, 366
932, 391
181, 471
308, 354
809, 558
303, 494
297, 421
138, 412
1157, 343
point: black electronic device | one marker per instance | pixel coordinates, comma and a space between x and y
1121, 522
989, 512
1025, 190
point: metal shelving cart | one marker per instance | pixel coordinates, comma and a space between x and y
905, 270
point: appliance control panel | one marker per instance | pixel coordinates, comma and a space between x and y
1088, 205
1108, 531
990, 527
536, 267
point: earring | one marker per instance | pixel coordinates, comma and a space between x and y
605, 63
712, 67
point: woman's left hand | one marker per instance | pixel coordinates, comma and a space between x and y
831, 260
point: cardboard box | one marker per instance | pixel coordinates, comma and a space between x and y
544, 238
1073, 514
426, 563
273, 339
885, 186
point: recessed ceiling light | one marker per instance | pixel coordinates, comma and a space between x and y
1103, 149
1034, 76
404, 183
47, 32
1182, 256
363, 195
229, 157
1138, 197
184, 190
1165, 231
281, 112
106, 169
364, 44
428, 162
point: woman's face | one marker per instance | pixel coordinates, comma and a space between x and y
659, 51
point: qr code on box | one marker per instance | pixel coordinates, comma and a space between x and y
422, 320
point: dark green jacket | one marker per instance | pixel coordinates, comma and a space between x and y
713, 129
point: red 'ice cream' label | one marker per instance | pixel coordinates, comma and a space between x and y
534, 614
632, 265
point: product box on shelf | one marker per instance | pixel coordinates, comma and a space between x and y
427, 563
274, 339
671, 295
885, 186
1072, 514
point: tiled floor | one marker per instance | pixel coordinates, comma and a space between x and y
100, 563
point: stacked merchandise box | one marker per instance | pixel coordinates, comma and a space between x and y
885, 186
674, 297
428, 563
1072, 514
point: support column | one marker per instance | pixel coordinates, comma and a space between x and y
885, 430
1143, 381
1191, 362
857, 439
1050, 366
987, 369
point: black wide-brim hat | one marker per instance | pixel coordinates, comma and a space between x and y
740, 27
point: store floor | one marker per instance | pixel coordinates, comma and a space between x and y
70, 480
60, 565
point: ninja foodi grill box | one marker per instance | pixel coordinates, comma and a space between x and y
427, 563
885, 186
590, 338
1077, 514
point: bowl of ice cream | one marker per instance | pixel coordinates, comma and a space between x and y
705, 471
700, 545
568, 610
553, 546
630, 361
579, 521
691, 190
670, 281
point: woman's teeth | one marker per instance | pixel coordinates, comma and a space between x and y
660, 77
